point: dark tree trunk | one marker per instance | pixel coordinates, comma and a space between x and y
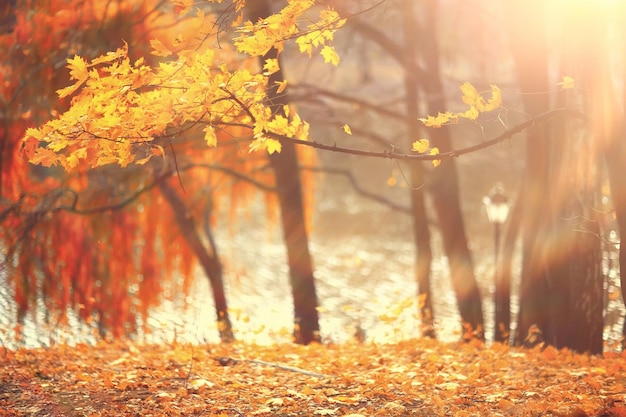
607, 117
573, 252
289, 190
421, 232
444, 188
208, 259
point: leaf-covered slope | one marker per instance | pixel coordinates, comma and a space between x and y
422, 378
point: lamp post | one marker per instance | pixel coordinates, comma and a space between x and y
497, 206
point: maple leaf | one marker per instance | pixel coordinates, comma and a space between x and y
421, 145
78, 72
435, 151
282, 85
496, 99
209, 136
470, 95
111, 56
439, 120
271, 66
472, 113
159, 49
347, 129
473, 98
273, 146
330, 55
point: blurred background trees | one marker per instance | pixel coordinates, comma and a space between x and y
111, 243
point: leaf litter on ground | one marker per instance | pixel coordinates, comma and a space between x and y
412, 378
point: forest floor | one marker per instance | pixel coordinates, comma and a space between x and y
412, 378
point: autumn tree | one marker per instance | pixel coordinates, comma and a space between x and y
289, 190
121, 228
134, 110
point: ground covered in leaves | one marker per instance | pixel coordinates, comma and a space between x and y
420, 377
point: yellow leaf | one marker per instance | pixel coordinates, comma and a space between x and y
78, 68
111, 56
159, 49
347, 129
281, 86
271, 66
273, 146
78, 71
496, 99
421, 145
209, 136
439, 120
471, 113
567, 83
330, 55
470, 94
435, 151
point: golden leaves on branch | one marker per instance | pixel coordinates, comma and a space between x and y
258, 38
423, 146
121, 107
477, 104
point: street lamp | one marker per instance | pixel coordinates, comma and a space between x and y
498, 206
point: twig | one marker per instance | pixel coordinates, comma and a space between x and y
288, 368
226, 361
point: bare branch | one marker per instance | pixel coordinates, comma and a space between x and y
311, 91
361, 191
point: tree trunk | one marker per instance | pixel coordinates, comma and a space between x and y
607, 119
289, 190
502, 324
561, 286
421, 232
444, 188
530, 56
208, 260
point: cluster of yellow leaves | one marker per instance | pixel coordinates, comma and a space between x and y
121, 108
418, 377
477, 104
288, 125
257, 38
423, 146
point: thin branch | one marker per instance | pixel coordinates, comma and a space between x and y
394, 154
134, 196
355, 185
288, 368
180, 180
313, 91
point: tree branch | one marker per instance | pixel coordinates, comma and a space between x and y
314, 91
72, 208
394, 154
355, 185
